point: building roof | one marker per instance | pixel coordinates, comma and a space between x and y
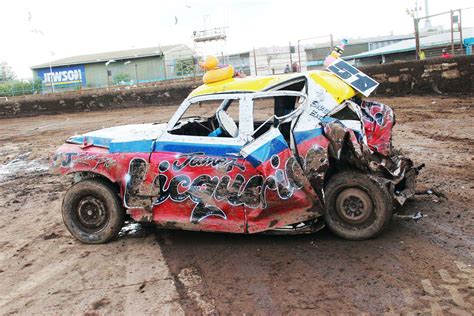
106, 56
354, 41
441, 39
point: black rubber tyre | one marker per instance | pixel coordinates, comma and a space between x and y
92, 211
357, 206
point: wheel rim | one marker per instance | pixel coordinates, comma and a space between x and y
354, 205
91, 212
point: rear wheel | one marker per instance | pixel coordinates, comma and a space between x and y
357, 206
92, 211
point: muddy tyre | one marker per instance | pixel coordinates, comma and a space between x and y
357, 207
92, 211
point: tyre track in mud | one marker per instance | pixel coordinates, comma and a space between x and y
311, 274
415, 267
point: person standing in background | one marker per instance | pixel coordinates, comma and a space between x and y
421, 55
445, 54
295, 67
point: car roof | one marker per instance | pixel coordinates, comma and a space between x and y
335, 86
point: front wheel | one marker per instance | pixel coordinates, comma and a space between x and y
357, 206
92, 211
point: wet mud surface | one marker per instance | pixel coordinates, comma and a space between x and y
416, 266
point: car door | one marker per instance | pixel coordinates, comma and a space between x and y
282, 194
200, 176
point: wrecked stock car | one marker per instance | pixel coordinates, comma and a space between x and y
278, 154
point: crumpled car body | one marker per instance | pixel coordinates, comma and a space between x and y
244, 176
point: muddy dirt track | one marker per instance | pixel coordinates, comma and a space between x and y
424, 266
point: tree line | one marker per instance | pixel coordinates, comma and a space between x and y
11, 86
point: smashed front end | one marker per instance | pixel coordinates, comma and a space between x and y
369, 148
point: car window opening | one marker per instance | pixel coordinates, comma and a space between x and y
265, 108
200, 119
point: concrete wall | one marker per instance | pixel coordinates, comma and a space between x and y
453, 75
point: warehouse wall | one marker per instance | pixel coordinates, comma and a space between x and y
148, 69
96, 75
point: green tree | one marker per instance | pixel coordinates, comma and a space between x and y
20, 87
6, 72
121, 78
184, 66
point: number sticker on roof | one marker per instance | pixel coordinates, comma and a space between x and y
353, 77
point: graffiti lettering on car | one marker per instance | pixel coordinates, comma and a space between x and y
66, 160
197, 160
97, 159
206, 190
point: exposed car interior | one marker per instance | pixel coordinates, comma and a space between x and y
282, 105
224, 119
195, 126
202, 119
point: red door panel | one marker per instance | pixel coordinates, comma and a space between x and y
286, 197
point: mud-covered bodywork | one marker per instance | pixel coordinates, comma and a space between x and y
250, 182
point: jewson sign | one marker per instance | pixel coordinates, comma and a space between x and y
63, 76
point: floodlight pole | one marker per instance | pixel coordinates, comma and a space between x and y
51, 72
452, 31
299, 55
136, 73
107, 70
417, 38
291, 59
51, 76
460, 32
255, 61
108, 77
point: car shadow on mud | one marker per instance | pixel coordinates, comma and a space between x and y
217, 272
273, 273
222, 272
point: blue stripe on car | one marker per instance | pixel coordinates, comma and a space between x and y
208, 149
98, 141
306, 135
267, 150
134, 146
146, 145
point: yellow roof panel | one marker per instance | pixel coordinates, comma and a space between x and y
241, 84
335, 86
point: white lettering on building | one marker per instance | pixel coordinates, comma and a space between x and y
69, 76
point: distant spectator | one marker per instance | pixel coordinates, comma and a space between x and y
294, 67
445, 54
287, 69
239, 73
421, 55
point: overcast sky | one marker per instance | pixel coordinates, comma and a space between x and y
82, 27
